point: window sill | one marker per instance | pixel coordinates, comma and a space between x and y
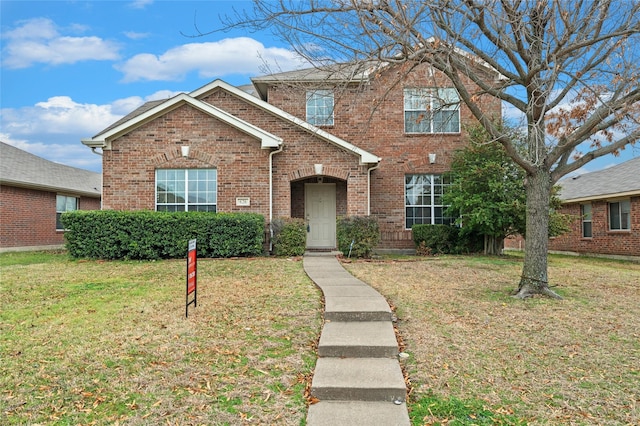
618, 231
431, 134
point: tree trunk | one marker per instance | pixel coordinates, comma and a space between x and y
534, 278
493, 245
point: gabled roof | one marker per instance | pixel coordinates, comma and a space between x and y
20, 168
152, 110
334, 73
621, 180
147, 113
365, 157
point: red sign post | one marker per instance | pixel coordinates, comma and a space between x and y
192, 276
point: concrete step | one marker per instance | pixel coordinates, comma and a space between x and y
362, 339
358, 379
346, 308
357, 413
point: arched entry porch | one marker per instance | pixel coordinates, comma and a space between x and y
319, 200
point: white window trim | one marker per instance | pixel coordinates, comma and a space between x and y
432, 196
317, 119
584, 219
63, 211
432, 94
621, 203
186, 203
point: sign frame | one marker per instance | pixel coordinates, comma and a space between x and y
192, 277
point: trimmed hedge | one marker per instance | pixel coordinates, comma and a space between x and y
363, 231
289, 237
109, 234
445, 239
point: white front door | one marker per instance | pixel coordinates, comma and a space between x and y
320, 210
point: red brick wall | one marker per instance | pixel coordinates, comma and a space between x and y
604, 241
28, 217
243, 167
372, 118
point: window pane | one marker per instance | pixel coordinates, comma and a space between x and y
614, 216
320, 107
586, 230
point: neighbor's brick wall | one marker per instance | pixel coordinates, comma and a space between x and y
28, 217
604, 241
372, 118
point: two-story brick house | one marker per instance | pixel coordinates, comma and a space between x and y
311, 144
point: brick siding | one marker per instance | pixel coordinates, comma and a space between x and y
603, 240
28, 217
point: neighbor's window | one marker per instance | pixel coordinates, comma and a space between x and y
620, 215
431, 111
585, 213
180, 190
64, 203
423, 200
320, 107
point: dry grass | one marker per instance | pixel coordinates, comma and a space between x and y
107, 342
575, 361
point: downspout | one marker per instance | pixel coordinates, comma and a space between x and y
271, 154
93, 149
369, 187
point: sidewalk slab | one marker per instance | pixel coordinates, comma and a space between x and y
357, 309
349, 291
358, 379
368, 339
357, 413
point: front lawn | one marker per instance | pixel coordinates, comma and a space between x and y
92, 342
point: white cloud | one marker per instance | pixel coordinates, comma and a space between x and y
52, 129
242, 55
133, 35
38, 40
140, 4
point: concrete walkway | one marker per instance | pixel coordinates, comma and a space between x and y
357, 378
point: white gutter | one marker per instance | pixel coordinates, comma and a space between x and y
369, 187
271, 154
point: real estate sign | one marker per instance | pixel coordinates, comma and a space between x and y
192, 276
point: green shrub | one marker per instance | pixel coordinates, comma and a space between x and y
289, 237
444, 239
362, 231
109, 234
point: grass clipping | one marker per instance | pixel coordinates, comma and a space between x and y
107, 342
541, 361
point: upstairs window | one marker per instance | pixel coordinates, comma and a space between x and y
431, 111
423, 200
585, 213
320, 107
620, 215
64, 203
179, 190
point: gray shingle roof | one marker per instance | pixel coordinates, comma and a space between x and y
20, 168
617, 180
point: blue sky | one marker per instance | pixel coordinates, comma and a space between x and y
71, 68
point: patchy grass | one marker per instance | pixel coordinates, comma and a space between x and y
92, 342
476, 353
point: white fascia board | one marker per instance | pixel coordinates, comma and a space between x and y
365, 157
104, 140
600, 197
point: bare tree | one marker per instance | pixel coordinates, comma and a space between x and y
570, 67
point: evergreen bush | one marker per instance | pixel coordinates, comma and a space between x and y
362, 231
289, 237
110, 234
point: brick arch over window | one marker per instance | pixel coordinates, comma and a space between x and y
327, 170
174, 158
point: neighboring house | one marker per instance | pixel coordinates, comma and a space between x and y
306, 144
606, 204
34, 192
